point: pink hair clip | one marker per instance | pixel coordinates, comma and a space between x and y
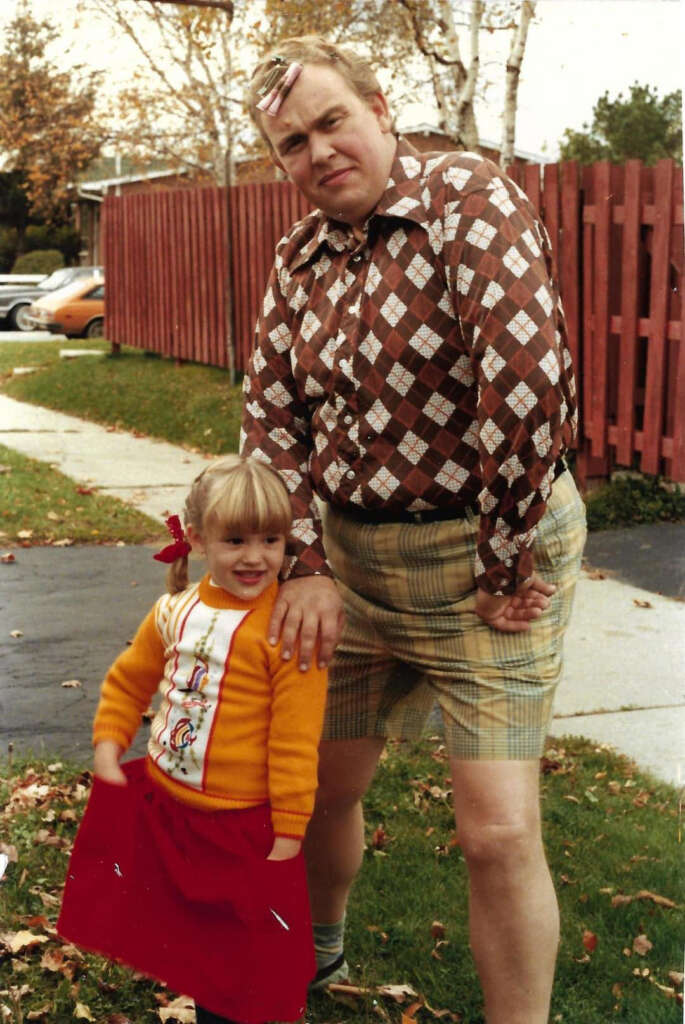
179, 548
271, 103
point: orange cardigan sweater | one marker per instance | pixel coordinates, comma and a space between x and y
237, 726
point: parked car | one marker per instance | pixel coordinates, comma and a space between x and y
78, 310
16, 299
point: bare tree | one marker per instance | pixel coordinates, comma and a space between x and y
436, 26
513, 74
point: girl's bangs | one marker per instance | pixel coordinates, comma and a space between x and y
260, 506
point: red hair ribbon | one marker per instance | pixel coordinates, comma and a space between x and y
179, 548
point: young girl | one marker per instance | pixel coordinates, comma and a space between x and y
187, 865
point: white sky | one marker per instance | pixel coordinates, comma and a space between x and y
576, 50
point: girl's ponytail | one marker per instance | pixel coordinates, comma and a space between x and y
177, 575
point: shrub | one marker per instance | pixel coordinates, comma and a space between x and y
8, 247
41, 261
46, 236
629, 501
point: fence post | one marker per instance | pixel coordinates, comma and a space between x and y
658, 315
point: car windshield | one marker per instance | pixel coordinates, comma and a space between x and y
56, 279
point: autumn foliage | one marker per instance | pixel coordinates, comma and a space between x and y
48, 129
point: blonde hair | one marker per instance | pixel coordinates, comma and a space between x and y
233, 494
312, 49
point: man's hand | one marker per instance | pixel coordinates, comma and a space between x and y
106, 763
308, 607
513, 613
285, 848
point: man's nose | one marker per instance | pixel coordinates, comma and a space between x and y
320, 147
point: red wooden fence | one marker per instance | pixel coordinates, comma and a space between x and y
617, 234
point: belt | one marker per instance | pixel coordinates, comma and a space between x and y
375, 517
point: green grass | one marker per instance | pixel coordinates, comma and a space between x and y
38, 501
184, 403
610, 830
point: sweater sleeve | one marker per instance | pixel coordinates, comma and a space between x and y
129, 685
297, 708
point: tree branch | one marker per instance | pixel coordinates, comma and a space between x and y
222, 5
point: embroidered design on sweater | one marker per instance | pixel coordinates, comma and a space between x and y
198, 643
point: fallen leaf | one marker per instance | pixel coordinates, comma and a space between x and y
10, 851
397, 992
642, 945
89, 490
438, 930
16, 634
181, 1010
589, 941
676, 977
379, 838
620, 900
39, 1014
118, 1018
71, 684
82, 1012
596, 575
25, 534
20, 941
642, 604
7, 558
53, 517
661, 901
66, 542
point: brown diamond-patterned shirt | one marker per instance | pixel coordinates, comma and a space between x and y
425, 366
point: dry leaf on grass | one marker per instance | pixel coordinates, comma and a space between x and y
589, 941
181, 1010
18, 942
642, 945
82, 1012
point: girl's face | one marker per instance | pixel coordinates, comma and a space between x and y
243, 564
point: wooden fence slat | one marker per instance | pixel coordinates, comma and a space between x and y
656, 349
569, 262
602, 256
627, 364
551, 208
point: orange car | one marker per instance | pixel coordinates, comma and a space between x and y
77, 310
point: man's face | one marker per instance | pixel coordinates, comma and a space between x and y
335, 146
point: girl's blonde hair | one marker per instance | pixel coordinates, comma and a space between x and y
312, 49
234, 494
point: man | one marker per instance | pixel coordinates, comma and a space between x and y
411, 372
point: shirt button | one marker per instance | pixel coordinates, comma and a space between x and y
348, 420
356, 259
350, 474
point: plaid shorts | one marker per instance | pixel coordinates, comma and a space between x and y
412, 637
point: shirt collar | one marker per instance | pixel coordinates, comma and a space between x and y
402, 199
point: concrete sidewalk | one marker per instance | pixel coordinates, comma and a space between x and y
624, 680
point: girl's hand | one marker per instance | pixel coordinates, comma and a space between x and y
106, 762
285, 848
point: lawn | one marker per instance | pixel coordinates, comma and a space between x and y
612, 836
183, 403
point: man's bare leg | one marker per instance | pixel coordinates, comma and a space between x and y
334, 844
514, 918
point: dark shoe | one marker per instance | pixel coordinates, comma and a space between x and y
337, 971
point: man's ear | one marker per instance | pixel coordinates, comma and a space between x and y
379, 105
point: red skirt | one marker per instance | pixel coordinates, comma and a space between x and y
188, 897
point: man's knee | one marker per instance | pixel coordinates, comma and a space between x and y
346, 770
504, 845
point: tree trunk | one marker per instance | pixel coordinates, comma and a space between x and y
513, 74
